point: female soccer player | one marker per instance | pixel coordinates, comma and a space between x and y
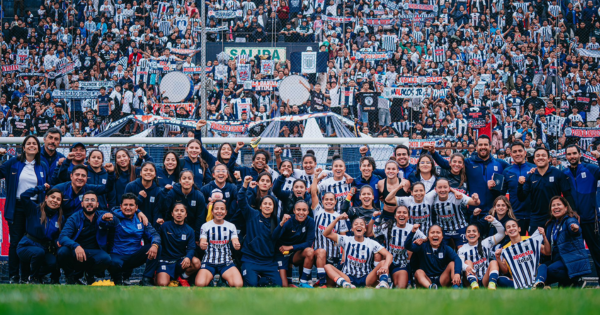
149, 194
419, 210
259, 249
447, 208
37, 249
502, 211
518, 260
168, 174
359, 253
97, 175
223, 153
294, 237
476, 254
569, 256
425, 173
261, 188
366, 208
260, 161
21, 173
438, 265
289, 197
215, 236
194, 162
223, 188
309, 166
366, 178
326, 251
178, 242
391, 183
395, 234
186, 193
456, 175
125, 171
338, 184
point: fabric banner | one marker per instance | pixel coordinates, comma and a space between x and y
383, 22
295, 6
416, 18
4, 239
22, 55
338, 19
221, 73
562, 155
267, 67
196, 70
75, 94
582, 132
187, 52
476, 117
65, 68
309, 62
418, 7
420, 80
404, 92
369, 102
225, 14
175, 106
588, 53
227, 127
216, 29
243, 73
421, 143
264, 85
95, 85
373, 56
32, 74
11, 68
275, 53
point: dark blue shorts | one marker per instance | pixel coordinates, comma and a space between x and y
395, 268
217, 268
435, 280
458, 236
283, 261
359, 282
171, 267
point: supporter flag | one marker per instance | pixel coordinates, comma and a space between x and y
267, 66
162, 8
347, 96
242, 59
123, 62
243, 73
439, 54
388, 42
309, 62
221, 72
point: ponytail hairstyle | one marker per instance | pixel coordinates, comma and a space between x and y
463, 171
203, 163
188, 171
479, 239
219, 157
43, 205
509, 211
273, 218
92, 152
310, 154
130, 167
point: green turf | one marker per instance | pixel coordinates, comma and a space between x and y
27, 299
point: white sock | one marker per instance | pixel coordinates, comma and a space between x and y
309, 271
185, 275
320, 270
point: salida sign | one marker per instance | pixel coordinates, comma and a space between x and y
276, 53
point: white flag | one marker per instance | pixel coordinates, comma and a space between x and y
309, 62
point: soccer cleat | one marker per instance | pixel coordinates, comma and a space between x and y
474, 285
457, 287
183, 282
305, 286
382, 285
538, 285
173, 283
433, 286
147, 282
492, 286
347, 285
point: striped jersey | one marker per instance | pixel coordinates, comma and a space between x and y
481, 262
395, 239
523, 259
419, 213
218, 238
448, 213
322, 221
338, 187
358, 256
301, 174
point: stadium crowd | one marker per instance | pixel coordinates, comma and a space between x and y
512, 87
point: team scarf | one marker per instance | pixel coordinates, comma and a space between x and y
225, 14
417, 19
187, 52
415, 92
95, 85
421, 80
188, 70
418, 7
75, 94
238, 128
338, 19
31, 74
374, 56
216, 29
582, 132
382, 22
588, 53
10, 68
261, 85
189, 107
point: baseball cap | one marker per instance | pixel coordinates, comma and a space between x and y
77, 144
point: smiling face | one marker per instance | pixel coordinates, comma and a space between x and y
418, 192
425, 165
558, 209
89, 203
260, 161
573, 156
366, 196
286, 166
148, 172
442, 188
267, 206
79, 178
301, 211
512, 229
123, 160
472, 234
170, 161
264, 183
517, 153
457, 164
179, 214
220, 173
96, 159
329, 201
309, 164
128, 207
193, 149
366, 169
79, 153
391, 170
359, 227
51, 141
338, 168
541, 159
299, 188
31, 147
501, 207
483, 148
53, 201
401, 216
435, 236
186, 180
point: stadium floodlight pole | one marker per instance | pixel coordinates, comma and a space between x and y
211, 140
203, 102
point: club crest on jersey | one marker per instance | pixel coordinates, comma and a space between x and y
139, 226
583, 175
104, 181
151, 199
495, 168
183, 237
551, 179
193, 203
441, 255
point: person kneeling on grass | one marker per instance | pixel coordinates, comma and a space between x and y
295, 236
215, 237
359, 253
439, 265
178, 242
127, 250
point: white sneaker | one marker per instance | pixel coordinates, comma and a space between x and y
382, 285
348, 285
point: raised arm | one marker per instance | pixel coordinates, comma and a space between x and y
329, 230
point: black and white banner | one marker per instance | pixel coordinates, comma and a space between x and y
369, 102
422, 80
588, 53
244, 73
267, 67
582, 132
31, 74
309, 62
95, 85
377, 22
74, 94
338, 19
412, 92
225, 14
187, 52
373, 56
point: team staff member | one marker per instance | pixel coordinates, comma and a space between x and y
65, 166
78, 186
541, 185
127, 251
83, 243
50, 155
37, 249
480, 169
584, 182
21, 173
569, 257
258, 252
401, 155
520, 167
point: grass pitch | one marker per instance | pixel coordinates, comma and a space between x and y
33, 299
